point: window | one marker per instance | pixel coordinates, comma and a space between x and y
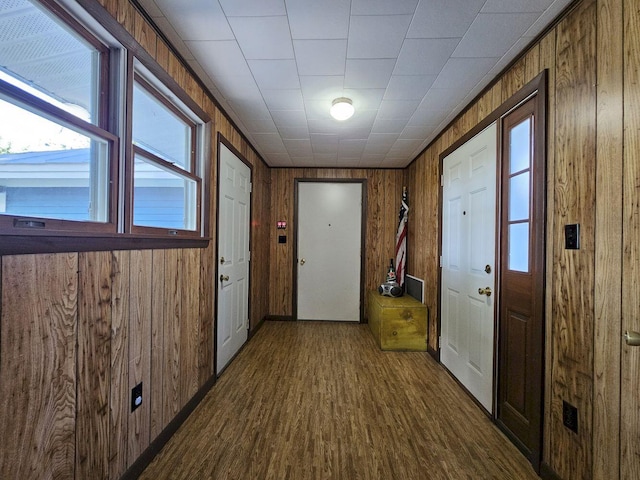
519, 192
165, 181
56, 155
99, 146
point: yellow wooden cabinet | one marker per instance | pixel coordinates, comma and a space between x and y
398, 323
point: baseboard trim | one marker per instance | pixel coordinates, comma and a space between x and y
547, 473
279, 318
434, 353
255, 329
143, 461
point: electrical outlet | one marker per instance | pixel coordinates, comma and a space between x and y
570, 416
136, 396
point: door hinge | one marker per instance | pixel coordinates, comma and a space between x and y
442, 180
250, 187
440, 261
249, 256
439, 342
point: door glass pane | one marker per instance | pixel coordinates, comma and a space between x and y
519, 247
47, 59
162, 198
519, 197
519, 146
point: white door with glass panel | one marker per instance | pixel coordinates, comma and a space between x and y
468, 264
329, 251
233, 256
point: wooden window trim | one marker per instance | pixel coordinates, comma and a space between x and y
133, 78
69, 236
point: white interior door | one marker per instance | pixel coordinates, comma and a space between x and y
233, 262
468, 264
329, 251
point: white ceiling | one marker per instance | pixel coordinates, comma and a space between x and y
410, 66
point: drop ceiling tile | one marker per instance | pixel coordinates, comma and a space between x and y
365, 98
386, 125
320, 57
383, 7
260, 125
377, 149
283, 99
424, 56
374, 36
443, 18
322, 87
397, 109
318, 139
492, 34
275, 74
299, 147
427, 117
288, 118
326, 149
404, 147
238, 87
251, 8
328, 19
326, 159
294, 133
382, 140
463, 74
220, 57
408, 87
416, 132
516, 6
370, 161
251, 33
368, 73
439, 99
197, 19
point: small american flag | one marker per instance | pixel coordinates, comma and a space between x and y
401, 239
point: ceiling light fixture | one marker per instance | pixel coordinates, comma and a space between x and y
342, 109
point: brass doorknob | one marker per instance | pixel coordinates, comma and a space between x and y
224, 278
485, 291
302, 261
632, 338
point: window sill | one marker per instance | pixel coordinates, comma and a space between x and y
11, 244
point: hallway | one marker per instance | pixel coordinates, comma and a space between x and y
321, 401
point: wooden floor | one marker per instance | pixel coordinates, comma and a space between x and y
314, 400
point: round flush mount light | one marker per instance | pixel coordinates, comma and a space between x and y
342, 109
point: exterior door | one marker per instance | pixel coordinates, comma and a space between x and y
468, 258
233, 256
521, 320
329, 251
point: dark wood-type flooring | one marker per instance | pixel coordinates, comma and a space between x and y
319, 400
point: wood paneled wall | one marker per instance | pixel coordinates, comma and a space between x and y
79, 330
591, 57
384, 192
